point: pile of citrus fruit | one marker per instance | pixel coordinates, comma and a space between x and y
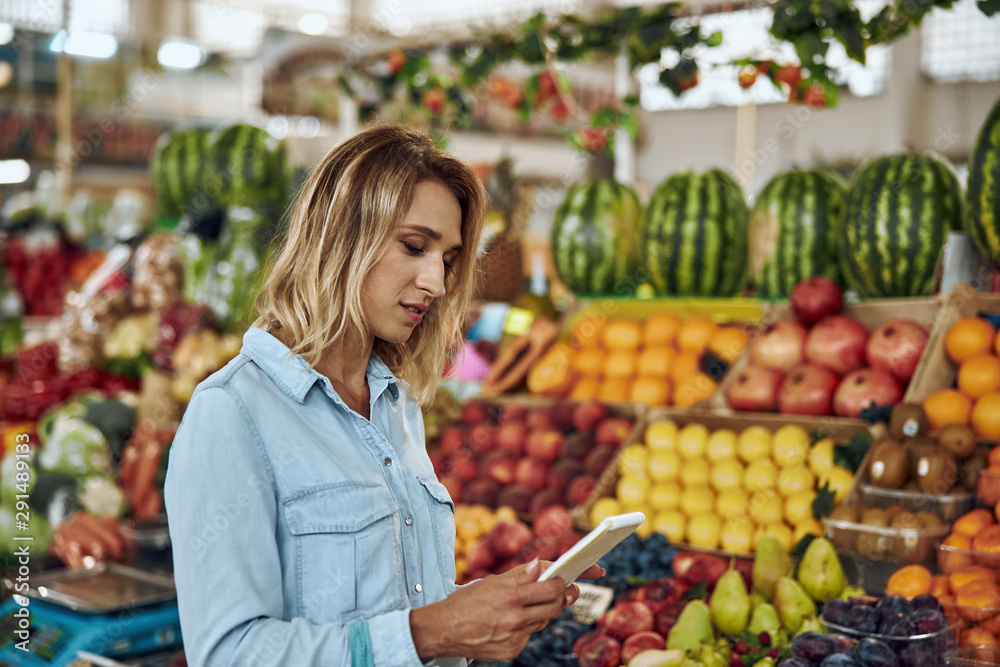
723, 488
656, 361
471, 523
973, 344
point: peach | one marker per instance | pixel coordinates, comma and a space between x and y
475, 412
626, 619
532, 473
552, 521
562, 472
508, 538
480, 492
501, 469
482, 438
579, 490
586, 415
576, 446
516, 496
544, 444
543, 500
639, 642
598, 459
511, 437
561, 415
612, 431
452, 439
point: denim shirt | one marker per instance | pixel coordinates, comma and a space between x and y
293, 517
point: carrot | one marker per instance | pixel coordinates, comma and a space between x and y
145, 473
130, 459
108, 536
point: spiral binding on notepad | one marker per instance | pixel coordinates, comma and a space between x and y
624, 520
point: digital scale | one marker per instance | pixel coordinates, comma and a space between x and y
111, 610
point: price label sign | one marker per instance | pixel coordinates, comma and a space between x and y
593, 602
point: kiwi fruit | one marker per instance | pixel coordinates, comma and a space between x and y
906, 520
889, 467
871, 545
970, 468
844, 540
845, 513
874, 516
959, 438
907, 420
928, 519
892, 512
937, 471
915, 448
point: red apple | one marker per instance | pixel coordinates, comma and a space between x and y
532, 473
501, 469
516, 496
698, 568
514, 413
437, 458
598, 459
539, 419
482, 438
452, 439
808, 390
667, 617
511, 436
815, 298
579, 489
475, 412
561, 415
562, 472
587, 414
611, 431
861, 389
553, 521
462, 464
481, 557
542, 548
780, 346
480, 492
639, 642
544, 499
837, 342
576, 446
896, 347
507, 538
585, 640
544, 444
626, 619
567, 541
658, 593
754, 389
453, 484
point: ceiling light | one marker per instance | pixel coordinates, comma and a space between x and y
14, 171
6, 33
180, 54
313, 24
84, 44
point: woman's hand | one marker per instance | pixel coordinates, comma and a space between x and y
492, 619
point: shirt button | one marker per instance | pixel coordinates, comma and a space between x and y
418, 588
387, 461
409, 521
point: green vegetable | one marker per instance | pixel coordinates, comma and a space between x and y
101, 496
115, 420
75, 448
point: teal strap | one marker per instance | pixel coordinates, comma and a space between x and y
361, 645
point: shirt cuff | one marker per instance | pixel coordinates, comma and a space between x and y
392, 640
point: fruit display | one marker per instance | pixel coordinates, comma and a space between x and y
899, 212
905, 625
723, 482
982, 194
528, 456
885, 533
595, 236
694, 235
793, 229
826, 361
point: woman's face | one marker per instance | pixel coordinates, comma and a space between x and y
411, 274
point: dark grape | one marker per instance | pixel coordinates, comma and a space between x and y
927, 621
873, 653
838, 660
836, 611
891, 605
795, 661
813, 646
863, 619
925, 602
899, 625
844, 643
917, 654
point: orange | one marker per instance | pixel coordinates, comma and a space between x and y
969, 574
695, 333
587, 332
588, 361
996, 344
972, 523
978, 600
947, 406
939, 585
909, 581
979, 375
622, 334
692, 389
620, 364
728, 343
988, 540
950, 561
652, 391
684, 366
969, 337
613, 389
660, 329
977, 637
986, 416
585, 389
655, 360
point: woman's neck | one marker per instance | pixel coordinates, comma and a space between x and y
345, 364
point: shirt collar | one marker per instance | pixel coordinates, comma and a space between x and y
295, 376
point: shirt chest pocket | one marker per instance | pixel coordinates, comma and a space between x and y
442, 511
347, 551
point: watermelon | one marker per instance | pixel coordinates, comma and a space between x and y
694, 235
793, 230
595, 238
247, 167
899, 212
983, 193
177, 169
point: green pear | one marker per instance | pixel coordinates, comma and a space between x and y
692, 629
730, 603
851, 592
765, 662
770, 563
793, 604
812, 624
657, 658
712, 657
820, 573
764, 618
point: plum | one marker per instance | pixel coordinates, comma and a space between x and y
838, 660
873, 653
794, 661
917, 654
813, 646
836, 610
891, 605
922, 602
927, 621
844, 643
898, 625
862, 619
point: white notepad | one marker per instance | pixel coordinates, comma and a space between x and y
592, 546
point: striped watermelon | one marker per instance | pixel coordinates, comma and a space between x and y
248, 167
595, 238
899, 212
793, 230
694, 235
177, 169
983, 194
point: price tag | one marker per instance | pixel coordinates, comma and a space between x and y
518, 321
593, 602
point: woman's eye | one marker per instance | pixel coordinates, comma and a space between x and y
412, 249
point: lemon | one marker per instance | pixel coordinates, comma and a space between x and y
691, 441
726, 474
812, 527
696, 500
798, 507
721, 445
789, 445
671, 524
753, 444
759, 475
766, 507
779, 530
664, 496
795, 479
821, 457
632, 490
737, 535
695, 472
662, 435
664, 465
732, 504
603, 508
633, 460
840, 480
703, 530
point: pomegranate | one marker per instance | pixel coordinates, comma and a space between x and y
896, 347
863, 388
837, 342
808, 390
780, 346
754, 389
815, 298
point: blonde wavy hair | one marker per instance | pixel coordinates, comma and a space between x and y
341, 224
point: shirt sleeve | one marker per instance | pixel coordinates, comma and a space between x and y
222, 513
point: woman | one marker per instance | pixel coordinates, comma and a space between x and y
308, 525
